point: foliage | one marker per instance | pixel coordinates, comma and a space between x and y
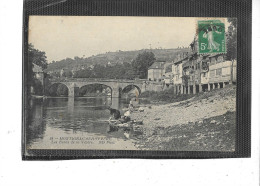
232, 39
67, 74
37, 57
165, 96
62, 90
112, 58
142, 62
58, 90
112, 65
94, 88
118, 71
38, 88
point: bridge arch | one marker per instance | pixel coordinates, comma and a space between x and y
58, 89
116, 86
95, 88
128, 88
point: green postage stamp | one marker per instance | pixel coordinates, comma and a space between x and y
211, 36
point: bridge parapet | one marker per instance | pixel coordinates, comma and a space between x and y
56, 80
115, 85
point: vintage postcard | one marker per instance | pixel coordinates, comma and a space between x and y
131, 83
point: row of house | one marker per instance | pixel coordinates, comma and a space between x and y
192, 72
197, 73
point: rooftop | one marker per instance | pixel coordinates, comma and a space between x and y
176, 62
157, 65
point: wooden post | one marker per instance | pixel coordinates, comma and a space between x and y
182, 89
200, 88
194, 89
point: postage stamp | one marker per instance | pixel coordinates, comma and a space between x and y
211, 36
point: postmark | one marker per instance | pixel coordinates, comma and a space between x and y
211, 36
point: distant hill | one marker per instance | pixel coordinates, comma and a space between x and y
112, 58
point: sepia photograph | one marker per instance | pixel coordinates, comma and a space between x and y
131, 83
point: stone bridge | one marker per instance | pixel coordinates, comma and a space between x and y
74, 85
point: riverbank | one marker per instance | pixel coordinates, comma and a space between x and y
203, 122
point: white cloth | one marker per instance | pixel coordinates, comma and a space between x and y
127, 113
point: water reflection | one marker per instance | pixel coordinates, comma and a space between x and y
36, 125
71, 105
72, 116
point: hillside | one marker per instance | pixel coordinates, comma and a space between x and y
112, 58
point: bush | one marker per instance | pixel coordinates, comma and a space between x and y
165, 96
38, 88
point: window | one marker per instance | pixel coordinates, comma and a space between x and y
219, 72
220, 59
198, 65
205, 66
213, 60
212, 73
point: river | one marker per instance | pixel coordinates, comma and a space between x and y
75, 123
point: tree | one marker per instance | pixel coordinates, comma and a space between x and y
98, 71
232, 43
232, 39
38, 88
142, 62
35, 57
62, 90
67, 74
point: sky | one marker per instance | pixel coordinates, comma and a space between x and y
63, 37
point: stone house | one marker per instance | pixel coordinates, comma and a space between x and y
198, 73
177, 72
156, 71
221, 71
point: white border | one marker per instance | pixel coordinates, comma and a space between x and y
14, 171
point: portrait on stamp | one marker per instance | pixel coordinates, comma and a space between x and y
211, 36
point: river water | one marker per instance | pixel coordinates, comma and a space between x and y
75, 123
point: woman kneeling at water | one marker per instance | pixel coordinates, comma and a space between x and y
115, 113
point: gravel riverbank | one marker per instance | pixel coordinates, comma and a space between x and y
203, 122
